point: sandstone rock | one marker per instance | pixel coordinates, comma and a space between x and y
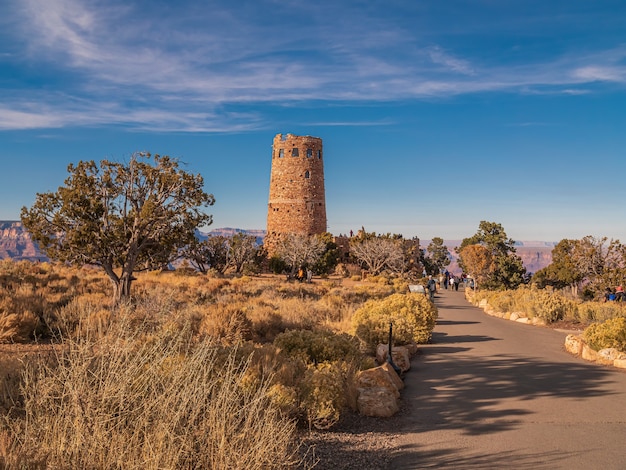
381, 376
378, 401
523, 320
574, 344
399, 354
412, 349
394, 377
611, 354
483, 303
621, 363
514, 316
538, 321
589, 354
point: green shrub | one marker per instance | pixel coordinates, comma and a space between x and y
502, 301
550, 307
600, 311
323, 393
609, 334
412, 315
318, 346
533, 302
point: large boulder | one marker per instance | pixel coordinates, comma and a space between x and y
378, 391
381, 376
379, 402
399, 354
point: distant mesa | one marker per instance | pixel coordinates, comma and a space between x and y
229, 232
16, 243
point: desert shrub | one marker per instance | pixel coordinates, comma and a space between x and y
608, 334
318, 345
322, 393
600, 311
86, 312
502, 301
371, 290
412, 315
125, 403
18, 327
400, 285
547, 305
227, 324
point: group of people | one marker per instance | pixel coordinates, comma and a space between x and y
616, 294
446, 279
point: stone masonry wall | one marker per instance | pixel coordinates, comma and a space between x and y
297, 200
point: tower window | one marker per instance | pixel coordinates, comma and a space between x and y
281, 153
307, 174
294, 152
319, 154
309, 153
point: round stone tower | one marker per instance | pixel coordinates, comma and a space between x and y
297, 202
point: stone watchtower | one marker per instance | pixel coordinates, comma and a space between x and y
297, 201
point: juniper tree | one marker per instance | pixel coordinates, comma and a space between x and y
122, 217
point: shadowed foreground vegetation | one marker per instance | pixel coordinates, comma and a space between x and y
193, 372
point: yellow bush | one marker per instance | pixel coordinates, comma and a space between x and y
601, 311
318, 346
609, 334
533, 302
413, 317
322, 394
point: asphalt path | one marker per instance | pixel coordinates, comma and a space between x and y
490, 393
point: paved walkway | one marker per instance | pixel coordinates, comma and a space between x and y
490, 393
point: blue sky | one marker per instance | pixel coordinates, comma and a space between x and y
435, 114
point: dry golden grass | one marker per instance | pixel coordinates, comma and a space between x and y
183, 375
123, 402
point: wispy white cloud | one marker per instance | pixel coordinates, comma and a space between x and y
183, 68
601, 73
439, 56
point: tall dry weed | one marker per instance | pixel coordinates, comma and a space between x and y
121, 402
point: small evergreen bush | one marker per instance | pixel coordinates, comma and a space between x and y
318, 346
412, 315
609, 334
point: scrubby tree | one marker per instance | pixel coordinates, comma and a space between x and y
329, 259
379, 254
427, 263
562, 271
122, 217
300, 250
508, 270
597, 263
211, 253
438, 253
478, 262
242, 251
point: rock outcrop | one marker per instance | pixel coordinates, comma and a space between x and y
16, 243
